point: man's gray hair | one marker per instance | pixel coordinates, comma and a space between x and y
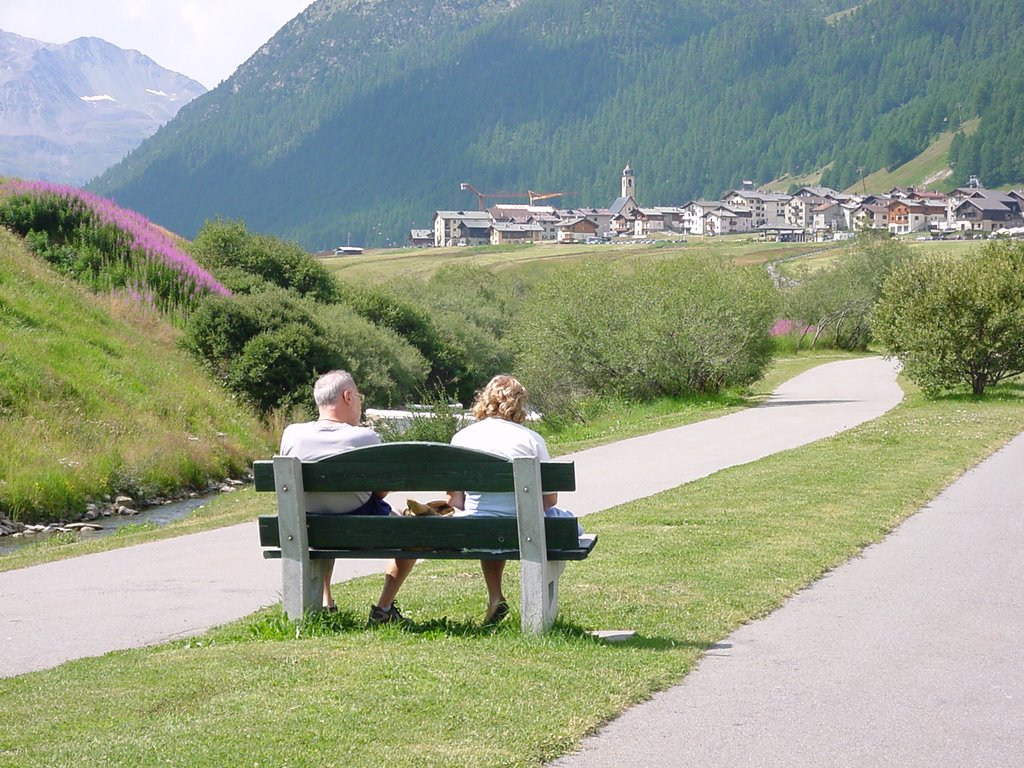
328, 388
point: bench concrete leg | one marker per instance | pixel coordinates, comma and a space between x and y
539, 599
554, 572
302, 586
301, 578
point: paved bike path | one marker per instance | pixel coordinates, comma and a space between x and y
179, 587
911, 655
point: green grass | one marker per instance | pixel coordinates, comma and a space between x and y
533, 262
682, 569
930, 169
95, 398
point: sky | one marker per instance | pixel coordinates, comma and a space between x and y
204, 39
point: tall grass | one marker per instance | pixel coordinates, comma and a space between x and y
96, 399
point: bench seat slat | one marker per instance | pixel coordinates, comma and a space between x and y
579, 553
359, 532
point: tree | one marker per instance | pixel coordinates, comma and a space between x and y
956, 320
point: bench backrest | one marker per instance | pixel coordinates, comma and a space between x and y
416, 466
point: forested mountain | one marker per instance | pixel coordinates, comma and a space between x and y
361, 117
69, 111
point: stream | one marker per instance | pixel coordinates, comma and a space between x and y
160, 515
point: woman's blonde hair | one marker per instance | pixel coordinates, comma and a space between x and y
504, 398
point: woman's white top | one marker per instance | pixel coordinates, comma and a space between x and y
504, 438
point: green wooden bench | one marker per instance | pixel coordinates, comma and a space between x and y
305, 542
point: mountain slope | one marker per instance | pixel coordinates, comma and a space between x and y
68, 112
360, 118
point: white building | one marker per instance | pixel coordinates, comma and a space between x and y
768, 209
462, 228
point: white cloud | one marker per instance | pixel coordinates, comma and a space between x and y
204, 40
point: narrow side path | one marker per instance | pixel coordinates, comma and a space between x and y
180, 587
821, 402
911, 655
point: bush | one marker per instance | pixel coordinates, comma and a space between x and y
226, 248
644, 330
460, 360
270, 347
832, 306
953, 321
471, 309
388, 370
276, 368
222, 326
488, 300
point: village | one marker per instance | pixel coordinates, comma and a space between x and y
811, 213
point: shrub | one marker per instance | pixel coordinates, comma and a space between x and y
458, 358
270, 347
832, 306
222, 326
473, 309
388, 370
489, 300
643, 330
956, 320
276, 368
227, 247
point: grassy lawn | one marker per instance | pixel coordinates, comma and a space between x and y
532, 262
681, 569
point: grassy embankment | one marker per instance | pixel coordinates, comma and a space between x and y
681, 569
96, 398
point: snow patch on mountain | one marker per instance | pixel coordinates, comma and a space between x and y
69, 111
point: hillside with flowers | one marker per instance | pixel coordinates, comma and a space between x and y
96, 397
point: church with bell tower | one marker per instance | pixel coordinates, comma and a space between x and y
623, 210
628, 182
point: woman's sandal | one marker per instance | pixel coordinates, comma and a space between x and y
500, 612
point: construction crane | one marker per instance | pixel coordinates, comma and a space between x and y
536, 196
533, 197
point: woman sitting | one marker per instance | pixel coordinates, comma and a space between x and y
500, 410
